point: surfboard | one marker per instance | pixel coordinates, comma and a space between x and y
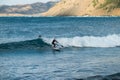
57, 47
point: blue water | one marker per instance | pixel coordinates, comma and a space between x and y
91, 47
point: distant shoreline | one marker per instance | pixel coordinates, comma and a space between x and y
57, 16
39, 15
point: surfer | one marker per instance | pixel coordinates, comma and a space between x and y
39, 36
54, 42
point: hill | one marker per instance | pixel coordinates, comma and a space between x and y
27, 9
85, 8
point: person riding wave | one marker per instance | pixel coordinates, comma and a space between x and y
54, 42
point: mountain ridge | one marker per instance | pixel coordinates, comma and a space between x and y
26, 9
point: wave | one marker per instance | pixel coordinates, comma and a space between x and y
34, 43
88, 41
85, 41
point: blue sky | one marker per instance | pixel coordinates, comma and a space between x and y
15, 2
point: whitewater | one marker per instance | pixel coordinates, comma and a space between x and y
88, 41
85, 41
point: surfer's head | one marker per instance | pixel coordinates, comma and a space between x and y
54, 39
39, 36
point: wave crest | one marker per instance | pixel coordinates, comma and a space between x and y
85, 41
24, 44
88, 41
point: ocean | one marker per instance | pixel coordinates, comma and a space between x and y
91, 47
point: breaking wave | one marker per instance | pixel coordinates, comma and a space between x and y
89, 41
85, 41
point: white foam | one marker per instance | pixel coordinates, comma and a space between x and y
88, 41
77, 41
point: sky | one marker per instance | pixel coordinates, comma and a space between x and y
15, 2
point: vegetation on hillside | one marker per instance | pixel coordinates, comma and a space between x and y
95, 2
110, 5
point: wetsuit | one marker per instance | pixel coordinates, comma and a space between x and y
54, 43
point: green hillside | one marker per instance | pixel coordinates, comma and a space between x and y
110, 5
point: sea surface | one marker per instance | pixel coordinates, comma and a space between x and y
91, 47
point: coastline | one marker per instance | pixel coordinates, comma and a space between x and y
50, 16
